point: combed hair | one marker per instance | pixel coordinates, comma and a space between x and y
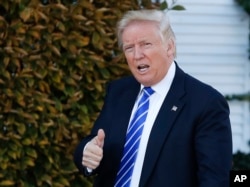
157, 16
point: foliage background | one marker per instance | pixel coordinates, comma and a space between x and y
56, 57
245, 5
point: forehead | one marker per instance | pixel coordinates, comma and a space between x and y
136, 30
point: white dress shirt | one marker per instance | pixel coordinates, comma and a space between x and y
161, 89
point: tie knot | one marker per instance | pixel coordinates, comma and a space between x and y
148, 90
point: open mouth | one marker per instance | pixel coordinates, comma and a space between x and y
143, 68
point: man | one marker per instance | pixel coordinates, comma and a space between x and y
185, 138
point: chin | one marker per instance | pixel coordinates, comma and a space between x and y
145, 82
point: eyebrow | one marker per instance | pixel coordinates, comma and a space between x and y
140, 41
127, 45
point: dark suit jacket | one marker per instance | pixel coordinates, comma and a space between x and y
189, 147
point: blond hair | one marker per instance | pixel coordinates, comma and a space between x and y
157, 16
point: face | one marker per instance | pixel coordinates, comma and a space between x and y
148, 57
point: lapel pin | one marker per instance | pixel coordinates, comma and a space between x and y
174, 108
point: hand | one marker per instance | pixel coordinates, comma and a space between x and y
93, 152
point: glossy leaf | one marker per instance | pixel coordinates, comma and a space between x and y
7, 183
178, 7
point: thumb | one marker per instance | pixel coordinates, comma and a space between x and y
100, 138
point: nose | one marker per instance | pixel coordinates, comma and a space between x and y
138, 53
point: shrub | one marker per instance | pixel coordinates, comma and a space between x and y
56, 58
241, 161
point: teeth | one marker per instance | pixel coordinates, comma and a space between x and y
143, 68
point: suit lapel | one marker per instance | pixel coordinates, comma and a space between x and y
170, 109
125, 105
127, 102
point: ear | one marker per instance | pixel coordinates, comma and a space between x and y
170, 48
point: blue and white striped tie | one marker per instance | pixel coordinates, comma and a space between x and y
133, 137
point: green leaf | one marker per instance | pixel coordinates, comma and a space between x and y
31, 152
21, 128
27, 161
26, 14
43, 129
105, 73
12, 154
178, 7
26, 141
96, 38
164, 5
7, 183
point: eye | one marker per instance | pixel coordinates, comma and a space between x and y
128, 48
147, 44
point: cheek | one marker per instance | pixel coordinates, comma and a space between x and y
157, 59
129, 60
131, 64
159, 62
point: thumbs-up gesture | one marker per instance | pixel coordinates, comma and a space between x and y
93, 152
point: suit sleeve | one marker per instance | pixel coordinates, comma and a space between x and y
213, 144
